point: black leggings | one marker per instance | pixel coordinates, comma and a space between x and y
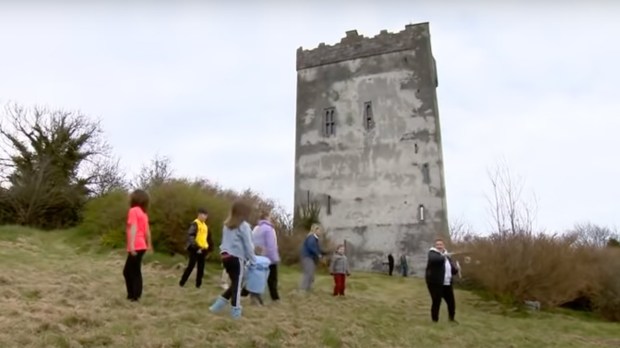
272, 282
234, 267
133, 275
439, 292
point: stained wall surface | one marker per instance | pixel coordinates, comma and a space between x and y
380, 183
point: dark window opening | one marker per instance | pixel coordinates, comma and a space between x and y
369, 122
426, 175
415, 148
308, 197
329, 205
329, 122
421, 213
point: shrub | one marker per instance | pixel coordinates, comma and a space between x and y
606, 301
173, 207
106, 217
307, 214
524, 266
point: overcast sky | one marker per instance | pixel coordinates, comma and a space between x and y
213, 88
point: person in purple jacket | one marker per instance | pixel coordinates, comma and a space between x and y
264, 236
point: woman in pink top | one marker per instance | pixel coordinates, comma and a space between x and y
138, 242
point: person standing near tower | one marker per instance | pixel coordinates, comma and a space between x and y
404, 266
390, 264
440, 271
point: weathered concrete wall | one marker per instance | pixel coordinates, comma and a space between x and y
376, 179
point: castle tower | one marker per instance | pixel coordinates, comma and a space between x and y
368, 145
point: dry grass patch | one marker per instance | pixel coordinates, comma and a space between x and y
53, 296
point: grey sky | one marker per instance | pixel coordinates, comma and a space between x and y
213, 88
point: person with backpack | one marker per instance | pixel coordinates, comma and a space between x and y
199, 244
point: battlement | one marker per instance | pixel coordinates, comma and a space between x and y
354, 46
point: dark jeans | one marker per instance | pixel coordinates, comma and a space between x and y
439, 292
234, 267
391, 267
195, 258
272, 282
133, 275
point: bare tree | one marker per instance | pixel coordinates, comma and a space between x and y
460, 231
107, 176
589, 234
156, 173
510, 211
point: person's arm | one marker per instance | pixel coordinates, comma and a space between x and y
346, 264
331, 265
132, 221
246, 239
191, 234
149, 242
132, 239
435, 257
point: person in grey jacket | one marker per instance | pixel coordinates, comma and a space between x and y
235, 250
339, 269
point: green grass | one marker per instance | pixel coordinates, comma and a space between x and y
58, 290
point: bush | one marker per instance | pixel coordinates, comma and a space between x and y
106, 217
607, 300
173, 206
306, 215
525, 266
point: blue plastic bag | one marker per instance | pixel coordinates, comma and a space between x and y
256, 275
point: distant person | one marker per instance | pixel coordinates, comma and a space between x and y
310, 256
138, 242
404, 266
440, 270
339, 269
235, 250
264, 237
390, 264
199, 244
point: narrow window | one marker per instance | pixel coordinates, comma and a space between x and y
421, 213
426, 175
329, 205
415, 148
329, 122
308, 197
369, 122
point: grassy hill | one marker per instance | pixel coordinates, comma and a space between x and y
56, 293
